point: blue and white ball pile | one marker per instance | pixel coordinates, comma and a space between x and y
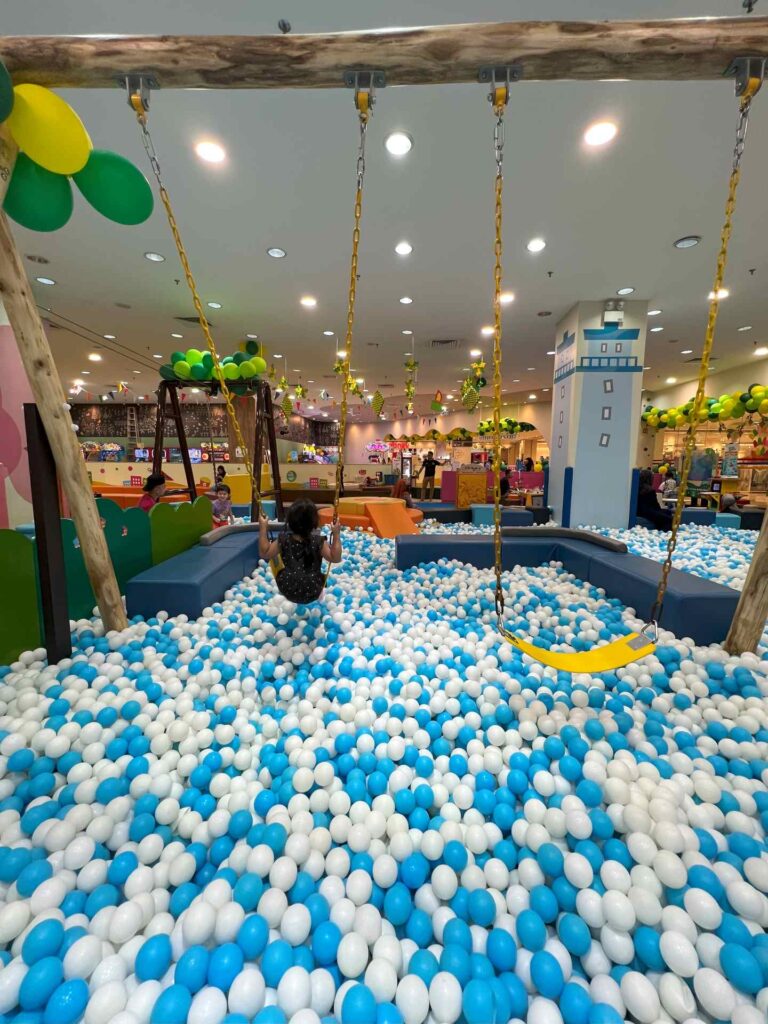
369, 811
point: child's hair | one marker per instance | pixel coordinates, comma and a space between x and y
302, 518
153, 480
220, 470
223, 487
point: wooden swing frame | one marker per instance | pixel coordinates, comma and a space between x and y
695, 49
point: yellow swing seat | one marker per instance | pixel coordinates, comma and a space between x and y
605, 658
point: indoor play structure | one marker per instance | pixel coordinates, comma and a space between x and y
512, 777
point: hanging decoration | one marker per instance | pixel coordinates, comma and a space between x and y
436, 405
473, 384
240, 370
411, 370
54, 145
377, 402
300, 391
287, 406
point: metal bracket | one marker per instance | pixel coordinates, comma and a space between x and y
504, 74
140, 85
365, 79
743, 69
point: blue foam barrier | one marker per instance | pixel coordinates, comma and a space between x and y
482, 515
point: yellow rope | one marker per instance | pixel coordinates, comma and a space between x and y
141, 117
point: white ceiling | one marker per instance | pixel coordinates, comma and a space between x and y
609, 216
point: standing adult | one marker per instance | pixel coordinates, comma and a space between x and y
428, 467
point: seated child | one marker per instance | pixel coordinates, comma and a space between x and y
222, 507
154, 489
297, 554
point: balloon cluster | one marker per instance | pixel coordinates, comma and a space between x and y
239, 369
508, 426
733, 406
54, 147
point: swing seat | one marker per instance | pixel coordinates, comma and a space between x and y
606, 658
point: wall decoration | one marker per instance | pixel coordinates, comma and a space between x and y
739, 405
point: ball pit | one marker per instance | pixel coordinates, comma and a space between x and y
370, 811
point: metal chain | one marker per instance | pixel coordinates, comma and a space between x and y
709, 337
499, 98
364, 113
146, 138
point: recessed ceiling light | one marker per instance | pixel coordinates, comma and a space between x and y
45, 280
310, 382
747, 327
398, 143
515, 380
655, 312
137, 371
214, 305
407, 333
529, 368
536, 245
329, 334
278, 355
406, 300
545, 389
551, 352
359, 380
506, 297
310, 407
646, 367
686, 351
687, 241
154, 257
276, 252
403, 248
86, 373
156, 355
252, 337
211, 152
175, 335
110, 337
449, 397
532, 397
600, 133
475, 353
308, 301
671, 380
77, 382
95, 357
487, 330
325, 414
655, 330
762, 351
342, 353
722, 293
625, 291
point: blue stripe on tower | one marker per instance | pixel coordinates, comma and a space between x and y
567, 492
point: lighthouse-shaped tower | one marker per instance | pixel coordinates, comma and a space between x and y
596, 391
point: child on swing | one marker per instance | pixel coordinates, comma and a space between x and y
297, 554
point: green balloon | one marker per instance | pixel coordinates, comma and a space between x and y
225, 360
166, 372
239, 357
247, 370
176, 356
36, 198
252, 347
193, 355
230, 371
6, 92
115, 187
259, 365
182, 369
199, 372
208, 361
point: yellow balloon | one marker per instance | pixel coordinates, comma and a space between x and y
48, 130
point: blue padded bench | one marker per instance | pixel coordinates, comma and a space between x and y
699, 516
482, 515
443, 512
693, 606
195, 579
727, 520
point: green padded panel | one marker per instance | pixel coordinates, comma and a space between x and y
175, 530
20, 627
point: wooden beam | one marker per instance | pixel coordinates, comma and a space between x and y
752, 610
674, 50
36, 355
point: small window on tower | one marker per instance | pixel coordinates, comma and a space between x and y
604, 347
606, 412
605, 440
608, 386
619, 347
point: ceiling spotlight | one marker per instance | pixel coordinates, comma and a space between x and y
747, 327
86, 373
156, 355
308, 301
655, 330
536, 245
210, 152
276, 253
487, 330
671, 380
137, 371
109, 337
529, 368
406, 300
45, 280
398, 143
342, 353
154, 257
551, 352
532, 397
655, 312
359, 380
646, 367
722, 293
625, 291
407, 333
77, 382
403, 248
95, 357
278, 355
214, 305
686, 351
545, 389
687, 241
600, 133
176, 335
506, 297
475, 353
329, 334
762, 351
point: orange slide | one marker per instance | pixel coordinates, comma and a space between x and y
389, 520
387, 517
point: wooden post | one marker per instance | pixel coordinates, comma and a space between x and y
50, 550
686, 49
52, 405
752, 610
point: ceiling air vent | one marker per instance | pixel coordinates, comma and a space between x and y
193, 320
697, 359
380, 386
443, 343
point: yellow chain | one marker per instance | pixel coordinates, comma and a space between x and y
204, 325
500, 99
364, 114
709, 337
